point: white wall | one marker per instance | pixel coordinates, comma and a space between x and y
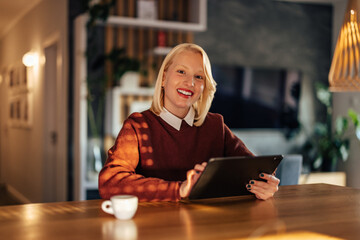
21, 150
342, 101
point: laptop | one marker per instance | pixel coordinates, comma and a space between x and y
228, 176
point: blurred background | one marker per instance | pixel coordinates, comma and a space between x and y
71, 71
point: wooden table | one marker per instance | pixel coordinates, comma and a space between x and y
314, 211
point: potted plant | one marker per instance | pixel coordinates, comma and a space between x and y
121, 65
98, 10
330, 143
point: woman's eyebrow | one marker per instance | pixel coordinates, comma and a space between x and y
200, 70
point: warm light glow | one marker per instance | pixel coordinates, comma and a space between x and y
126, 229
30, 59
298, 235
344, 73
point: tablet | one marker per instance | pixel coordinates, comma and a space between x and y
228, 176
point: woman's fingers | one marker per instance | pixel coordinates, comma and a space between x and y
186, 186
191, 178
191, 175
264, 190
200, 167
260, 192
270, 178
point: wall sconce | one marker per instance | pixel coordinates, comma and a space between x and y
344, 72
30, 59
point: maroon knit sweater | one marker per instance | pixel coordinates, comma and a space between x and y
150, 158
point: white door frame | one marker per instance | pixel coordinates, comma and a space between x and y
2, 107
80, 109
59, 166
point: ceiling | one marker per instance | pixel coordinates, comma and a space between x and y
12, 11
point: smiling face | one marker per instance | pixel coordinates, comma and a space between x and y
183, 82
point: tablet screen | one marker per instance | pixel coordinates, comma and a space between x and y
228, 176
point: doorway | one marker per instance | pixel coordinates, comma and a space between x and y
50, 173
2, 107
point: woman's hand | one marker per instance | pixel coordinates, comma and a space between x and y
264, 190
192, 177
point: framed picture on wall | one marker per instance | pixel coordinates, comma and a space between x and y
11, 78
15, 111
20, 111
26, 79
19, 78
20, 96
26, 110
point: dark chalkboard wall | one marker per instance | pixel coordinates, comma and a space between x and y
271, 34
257, 97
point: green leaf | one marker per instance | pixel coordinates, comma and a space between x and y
354, 117
344, 152
321, 129
318, 162
357, 132
341, 124
324, 95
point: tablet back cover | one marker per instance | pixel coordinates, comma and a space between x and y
228, 176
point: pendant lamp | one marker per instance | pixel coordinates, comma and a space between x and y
344, 72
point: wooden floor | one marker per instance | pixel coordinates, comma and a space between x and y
6, 198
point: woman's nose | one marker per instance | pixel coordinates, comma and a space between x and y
190, 80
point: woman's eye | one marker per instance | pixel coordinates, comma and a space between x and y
181, 71
199, 77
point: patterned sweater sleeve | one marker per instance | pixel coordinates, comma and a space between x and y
118, 175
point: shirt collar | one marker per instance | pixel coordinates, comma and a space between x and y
174, 121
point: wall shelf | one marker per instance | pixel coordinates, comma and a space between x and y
161, 51
156, 24
197, 17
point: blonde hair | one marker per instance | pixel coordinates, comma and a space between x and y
202, 105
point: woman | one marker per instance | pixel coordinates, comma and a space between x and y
155, 149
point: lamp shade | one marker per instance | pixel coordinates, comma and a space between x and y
344, 72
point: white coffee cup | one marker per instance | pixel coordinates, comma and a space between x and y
122, 206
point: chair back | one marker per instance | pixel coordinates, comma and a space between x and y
289, 169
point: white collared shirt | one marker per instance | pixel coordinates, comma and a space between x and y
174, 121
